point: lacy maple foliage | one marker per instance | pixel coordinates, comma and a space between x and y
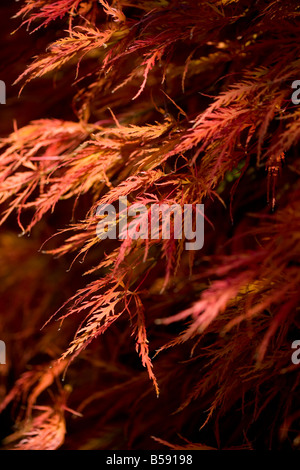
182, 102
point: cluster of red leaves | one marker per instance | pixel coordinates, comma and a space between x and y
174, 101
